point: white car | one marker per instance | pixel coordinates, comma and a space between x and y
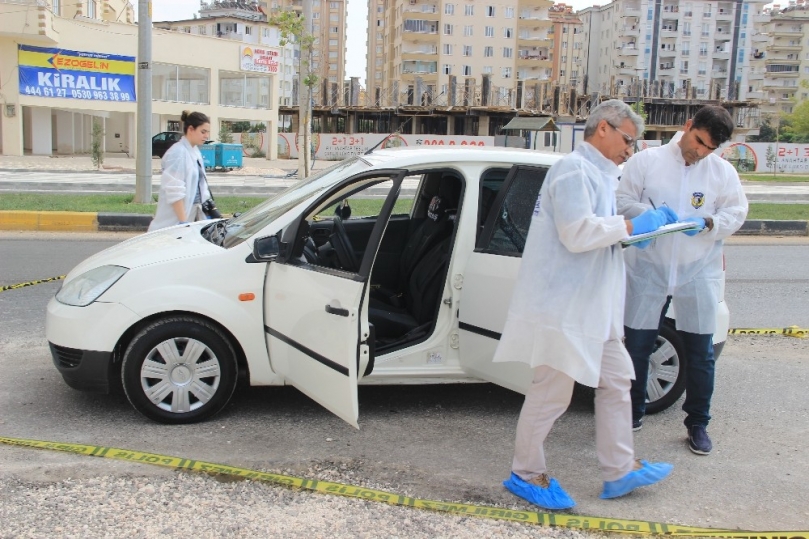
394, 267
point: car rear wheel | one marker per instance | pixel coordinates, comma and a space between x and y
666, 371
179, 370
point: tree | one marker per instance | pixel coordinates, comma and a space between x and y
225, 133
797, 123
297, 29
97, 143
766, 132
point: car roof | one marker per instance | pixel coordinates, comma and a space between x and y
420, 156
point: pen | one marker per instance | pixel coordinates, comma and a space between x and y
652, 202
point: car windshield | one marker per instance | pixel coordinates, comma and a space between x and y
245, 225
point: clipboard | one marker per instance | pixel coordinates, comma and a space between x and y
662, 231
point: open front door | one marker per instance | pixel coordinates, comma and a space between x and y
315, 308
490, 276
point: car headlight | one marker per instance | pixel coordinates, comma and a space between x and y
87, 287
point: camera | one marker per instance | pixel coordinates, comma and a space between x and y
209, 209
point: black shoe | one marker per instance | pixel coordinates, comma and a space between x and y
637, 424
698, 440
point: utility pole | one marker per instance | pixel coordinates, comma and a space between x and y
304, 95
143, 150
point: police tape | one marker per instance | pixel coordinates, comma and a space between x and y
791, 331
30, 283
579, 522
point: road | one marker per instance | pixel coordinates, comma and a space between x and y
451, 443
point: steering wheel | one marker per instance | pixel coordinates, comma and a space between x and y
342, 246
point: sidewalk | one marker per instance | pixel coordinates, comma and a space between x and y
258, 177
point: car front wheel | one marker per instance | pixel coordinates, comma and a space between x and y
179, 370
666, 371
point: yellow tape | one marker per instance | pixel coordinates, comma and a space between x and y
580, 522
791, 331
30, 283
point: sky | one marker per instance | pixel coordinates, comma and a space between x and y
357, 20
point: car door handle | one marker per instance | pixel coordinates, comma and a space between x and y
336, 310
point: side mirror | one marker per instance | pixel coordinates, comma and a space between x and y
267, 248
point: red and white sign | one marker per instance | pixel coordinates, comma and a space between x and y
259, 59
336, 146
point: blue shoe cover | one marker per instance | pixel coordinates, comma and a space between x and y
648, 474
553, 497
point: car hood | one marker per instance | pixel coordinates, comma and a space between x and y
183, 241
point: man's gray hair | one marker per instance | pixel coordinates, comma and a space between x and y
614, 112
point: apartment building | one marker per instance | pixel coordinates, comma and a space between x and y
418, 48
670, 48
780, 58
329, 30
72, 70
568, 47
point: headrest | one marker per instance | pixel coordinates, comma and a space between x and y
437, 208
450, 187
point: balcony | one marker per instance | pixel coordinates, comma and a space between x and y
667, 53
668, 31
782, 74
756, 95
629, 30
755, 75
628, 50
631, 12
782, 61
787, 32
535, 40
760, 38
419, 53
721, 54
30, 20
533, 61
666, 69
724, 15
424, 12
719, 74
778, 86
785, 47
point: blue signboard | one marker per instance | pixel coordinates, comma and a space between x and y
70, 74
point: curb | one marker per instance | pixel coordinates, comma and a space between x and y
69, 221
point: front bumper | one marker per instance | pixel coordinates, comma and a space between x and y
85, 370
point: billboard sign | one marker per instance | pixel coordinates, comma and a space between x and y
259, 59
46, 72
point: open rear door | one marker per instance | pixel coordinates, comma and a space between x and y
490, 276
316, 317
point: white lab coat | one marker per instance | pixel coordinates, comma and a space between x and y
569, 296
688, 268
179, 180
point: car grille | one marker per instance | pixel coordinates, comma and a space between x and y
69, 358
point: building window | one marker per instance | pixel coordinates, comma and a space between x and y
202, 30
487, 69
447, 69
334, 29
467, 50
488, 51
508, 52
449, 9
509, 12
332, 43
508, 33
247, 90
490, 11
506, 72
91, 9
447, 29
467, 30
467, 71
489, 31
334, 17
448, 49
180, 84
248, 30
57, 7
469, 10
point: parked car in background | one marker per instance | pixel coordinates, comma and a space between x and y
161, 142
394, 267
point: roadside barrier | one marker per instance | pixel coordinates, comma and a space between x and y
579, 522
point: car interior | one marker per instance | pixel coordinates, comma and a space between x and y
410, 268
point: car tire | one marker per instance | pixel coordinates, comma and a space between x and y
666, 370
168, 382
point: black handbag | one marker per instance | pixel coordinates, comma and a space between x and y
208, 206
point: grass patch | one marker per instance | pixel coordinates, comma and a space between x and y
230, 204
122, 203
777, 178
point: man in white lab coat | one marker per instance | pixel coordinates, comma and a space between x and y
682, 269
566, 314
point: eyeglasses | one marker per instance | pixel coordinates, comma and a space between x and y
630, 141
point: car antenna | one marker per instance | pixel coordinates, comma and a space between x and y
397, 132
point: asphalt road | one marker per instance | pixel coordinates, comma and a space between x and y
451, 443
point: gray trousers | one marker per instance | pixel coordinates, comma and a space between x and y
548, 398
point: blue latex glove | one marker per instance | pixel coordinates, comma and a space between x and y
649, 221
642, 244
694, 231
671, 216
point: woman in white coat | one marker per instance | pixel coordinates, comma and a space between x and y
183, 186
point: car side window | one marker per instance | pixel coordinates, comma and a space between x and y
506, 227
160, 137
491, 181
